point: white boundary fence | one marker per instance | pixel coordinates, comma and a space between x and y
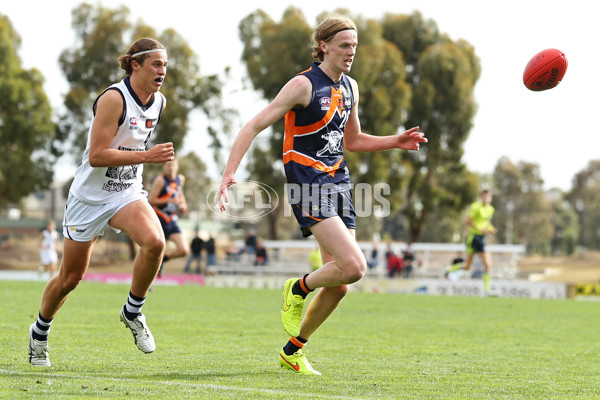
290, 257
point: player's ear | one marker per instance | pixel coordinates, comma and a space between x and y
323, 46
134, 65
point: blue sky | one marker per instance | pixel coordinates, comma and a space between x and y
556, 129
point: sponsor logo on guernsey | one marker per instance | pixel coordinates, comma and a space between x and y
345, 101
151, 123
133, 123
112, 186
325, 103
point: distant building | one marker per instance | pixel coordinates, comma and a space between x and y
45, 204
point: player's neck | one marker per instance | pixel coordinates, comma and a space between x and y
333, 73
144, 95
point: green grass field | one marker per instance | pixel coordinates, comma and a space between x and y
215, 343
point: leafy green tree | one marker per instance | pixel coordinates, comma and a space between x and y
522, 213
91, 65
27, 131
565, 222
442, 74
584, 198
197, 181
409, 74
446, 224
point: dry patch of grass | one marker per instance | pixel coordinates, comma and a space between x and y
583, 268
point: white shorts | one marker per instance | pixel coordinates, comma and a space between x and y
48, 257
83, 222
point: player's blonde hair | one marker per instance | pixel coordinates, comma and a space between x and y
140, 46
327, 30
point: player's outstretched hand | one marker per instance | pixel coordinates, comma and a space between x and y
410, 139
225, 183
160, 153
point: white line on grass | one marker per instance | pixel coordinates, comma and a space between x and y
171, 383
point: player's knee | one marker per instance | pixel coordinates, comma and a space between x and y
155, 246
355, 269
70, 282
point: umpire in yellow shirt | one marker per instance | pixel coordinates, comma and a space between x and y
479, 222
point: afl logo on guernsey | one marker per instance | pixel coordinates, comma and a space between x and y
325, 103
133, 123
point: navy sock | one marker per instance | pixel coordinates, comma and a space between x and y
299, 288
41, 329
133, 307
293, 345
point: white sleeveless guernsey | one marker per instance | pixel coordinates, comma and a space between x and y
101, 185
49, 240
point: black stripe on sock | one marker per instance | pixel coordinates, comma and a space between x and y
46, 320
138, 299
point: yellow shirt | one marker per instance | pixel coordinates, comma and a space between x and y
481, 216
314, 258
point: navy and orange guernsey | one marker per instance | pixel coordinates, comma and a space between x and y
312, 147
171, 189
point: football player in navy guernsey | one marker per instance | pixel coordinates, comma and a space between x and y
107, 191
168, 200
320, 106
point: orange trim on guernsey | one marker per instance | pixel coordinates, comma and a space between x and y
307, 214
173, 189
309, 162
162, 215
291, 130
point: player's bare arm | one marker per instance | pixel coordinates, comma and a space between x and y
154, 195
108, 112
183, 207
355, 140
296, 93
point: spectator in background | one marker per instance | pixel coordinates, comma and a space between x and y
196, 246
209, 246
393, 262
261, 254
408, 257
455, 266
49, 247
250, 242
372, 261
458, 259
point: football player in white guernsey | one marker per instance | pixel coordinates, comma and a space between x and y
107, 191
49, 246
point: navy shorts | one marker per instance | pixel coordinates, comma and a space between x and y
312, 206
169, 228
475, 243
